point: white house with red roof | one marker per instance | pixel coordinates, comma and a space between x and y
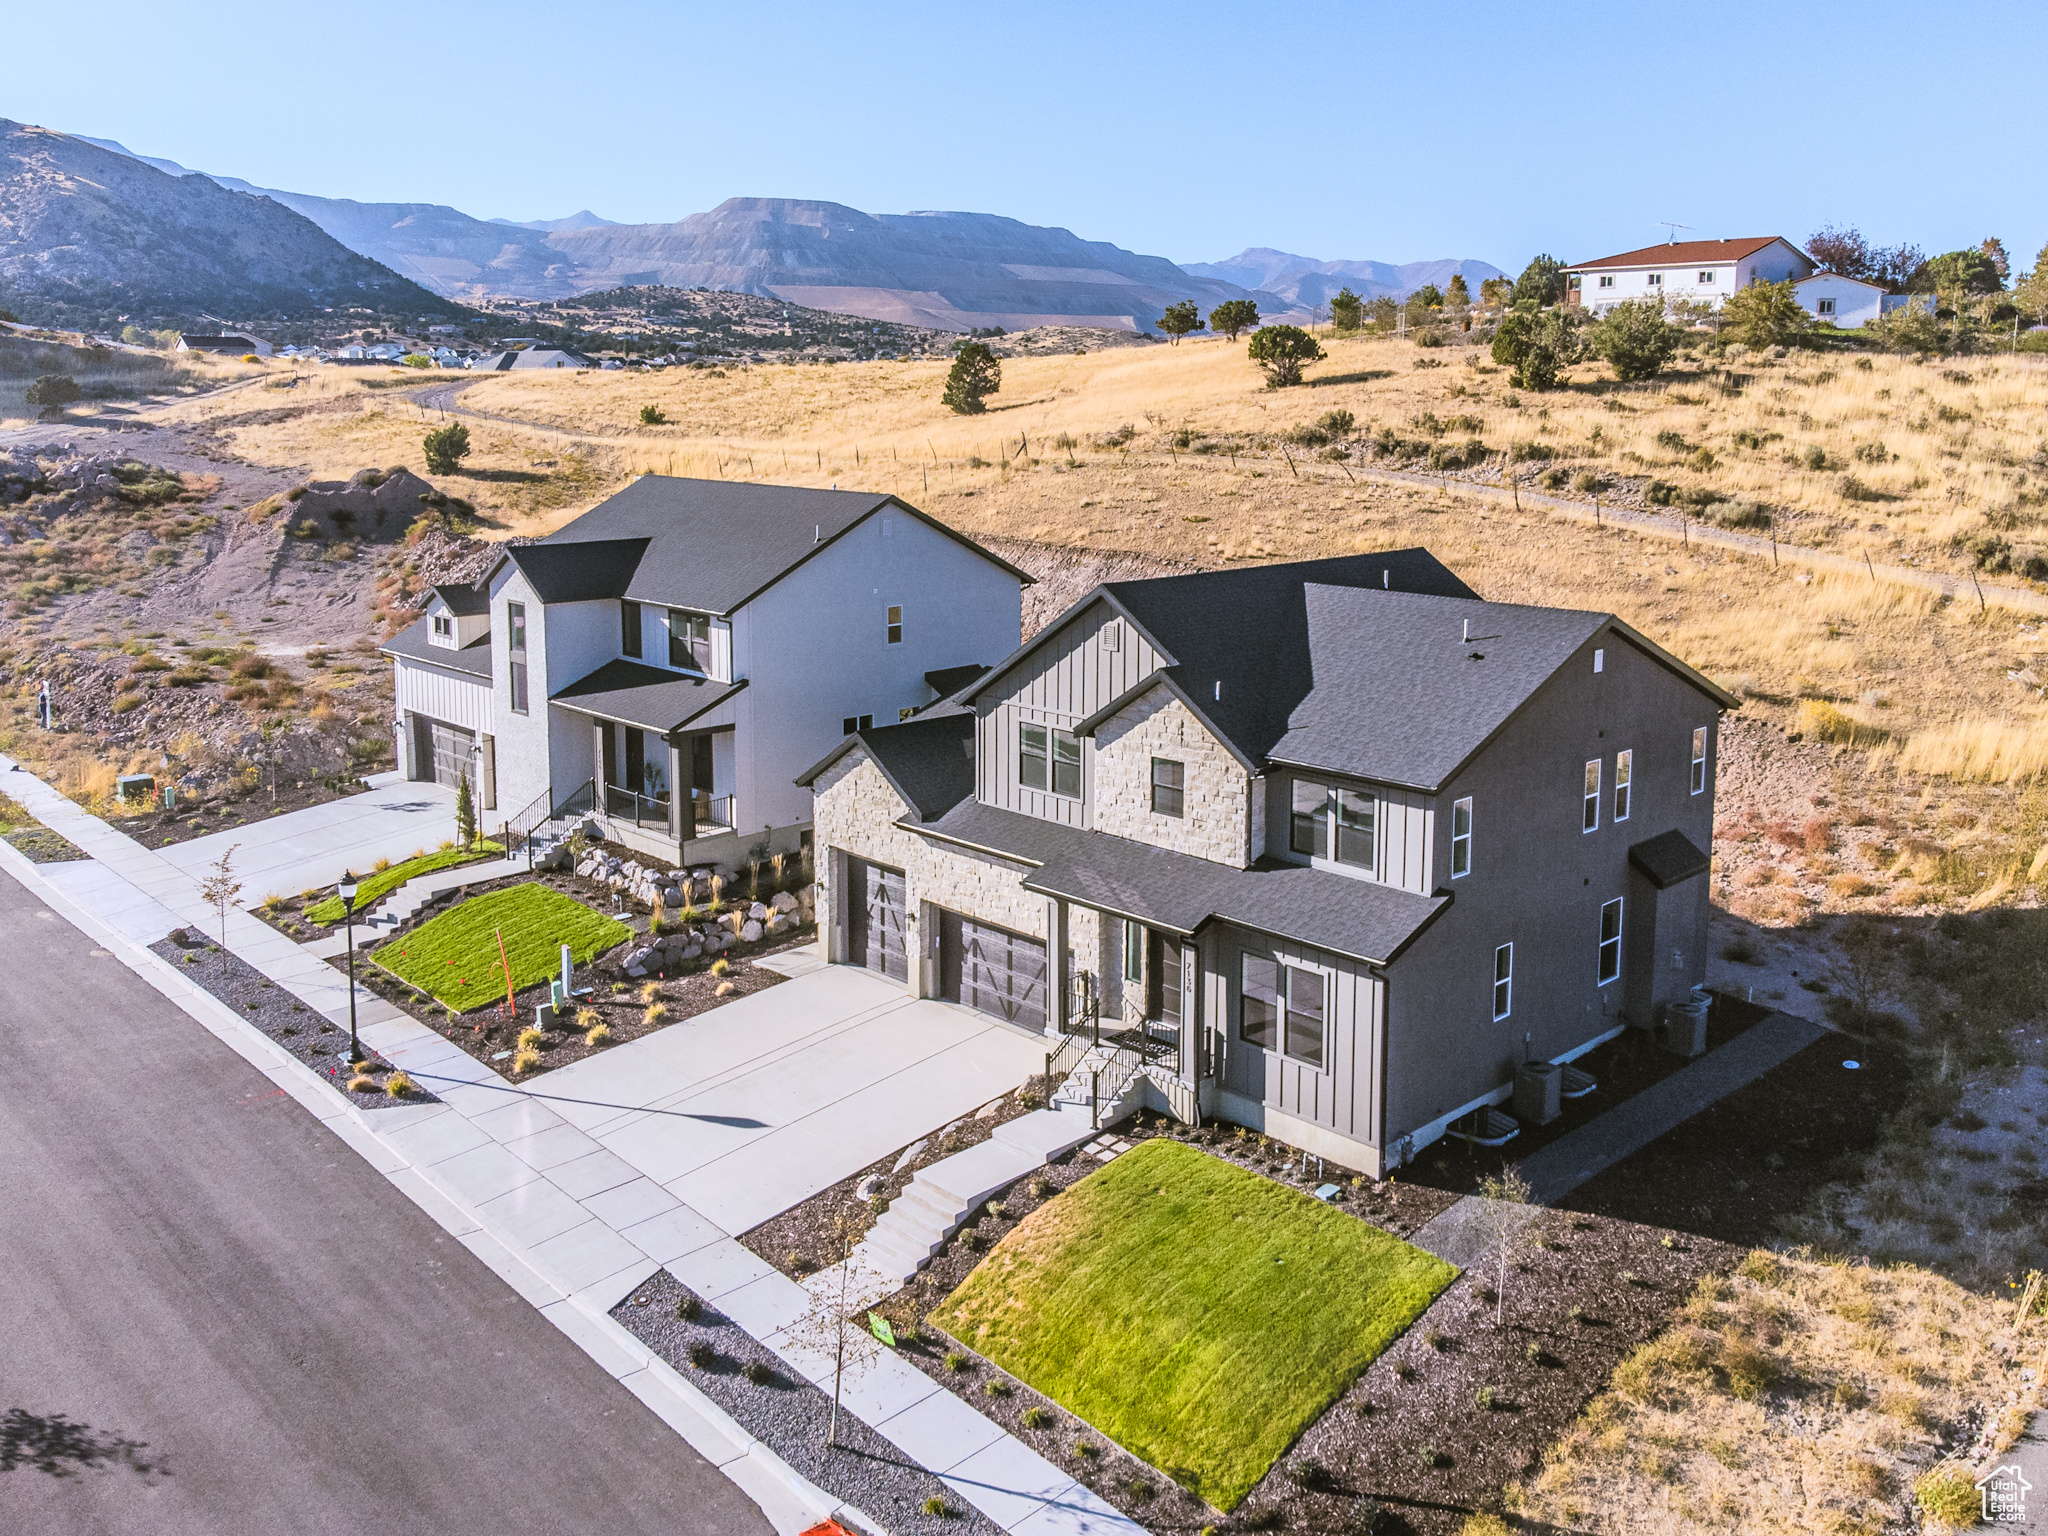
1704, 271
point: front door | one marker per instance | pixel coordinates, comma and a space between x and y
993, 970
875, 927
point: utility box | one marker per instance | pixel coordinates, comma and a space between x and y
1539, 1092
133, 787
1684, 1030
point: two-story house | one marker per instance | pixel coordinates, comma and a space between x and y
671, 659
1339, 843
1703, 271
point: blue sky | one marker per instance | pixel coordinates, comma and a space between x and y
1187, 130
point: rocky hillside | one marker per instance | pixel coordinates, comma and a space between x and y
90, 237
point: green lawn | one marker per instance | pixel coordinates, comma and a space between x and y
455, 957
1199, 1315
373, 888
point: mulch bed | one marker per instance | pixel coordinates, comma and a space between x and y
686, 990
39, 845
281, 1016
220, 811
791, 1416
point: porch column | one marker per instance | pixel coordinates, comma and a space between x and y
1061, 967
682, 805
600, 750
1191, 1014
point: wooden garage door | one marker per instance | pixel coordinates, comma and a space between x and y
450, 746
992, 969
875, 912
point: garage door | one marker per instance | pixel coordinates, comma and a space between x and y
443, 750
875, 925
992, 969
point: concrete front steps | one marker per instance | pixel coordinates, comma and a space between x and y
401, 904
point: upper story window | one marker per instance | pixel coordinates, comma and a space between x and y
1654, 279
1282, 1008
1332, 823
1699, 758
444, 629
1606, 279
629, 628
1706, 277
1624, 776
1591, 820
1610, 941
689, 641
1169, 786
850, 724
895, 625
1825, 307
1504, 981
1461, 837
515, 622
1049, 759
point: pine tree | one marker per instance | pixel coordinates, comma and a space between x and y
974, 377
465, 812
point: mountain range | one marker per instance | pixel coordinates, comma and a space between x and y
948, 270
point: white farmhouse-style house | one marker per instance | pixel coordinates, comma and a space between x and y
670, 661
1702, 271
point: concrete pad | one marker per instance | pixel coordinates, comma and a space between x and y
717, 1268
435, 1140
1045, 1132
623, 1205
767, 1305
593, 1173
521, 1118
940, 1431
1077, 1512
531, 1214
666, 1238
1008, 1481
607, 1291
483, 1173
551, 1148
585, 1254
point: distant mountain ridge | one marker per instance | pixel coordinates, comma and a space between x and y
1306, 281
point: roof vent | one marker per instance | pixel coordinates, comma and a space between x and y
1467, 637
818, 534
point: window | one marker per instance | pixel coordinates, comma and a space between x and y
1031, 756
1461, 837
1699, 759
1599, 659
515, 621
1606, 280
1654, 279
895, 623
1707, 277
689, 641
629, 628
1134, 950
1289, 1020
1309, 832
1066, 764
1503, 981
1058, 770
444, 627
1610, 941
1825, 307
1592, 817
1354, 827
518, 687
1624, 774
853, 723
1169, 785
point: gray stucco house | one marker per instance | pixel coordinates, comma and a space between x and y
671, 659
1333, 846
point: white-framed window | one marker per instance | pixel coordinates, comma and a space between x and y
444, 628
515, 625
1048, 759
894, 622
1825, 307
1610, 940
1169, 786
1461, 837
1707, 277
689, 641
1699, 758
1624, 776
1590, 822
1606, 279
1504, 981
1283, 1008
1134, 950
1654, 279
1332, 823
1599, 659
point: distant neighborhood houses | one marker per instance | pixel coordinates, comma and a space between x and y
227, 345
1707, 271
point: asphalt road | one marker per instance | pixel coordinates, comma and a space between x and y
189, 1260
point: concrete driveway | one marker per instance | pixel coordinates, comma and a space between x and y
753, 1107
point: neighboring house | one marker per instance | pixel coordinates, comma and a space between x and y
1704, 271
228, 346
1335, 845
530, 357
1842, 301
673, 658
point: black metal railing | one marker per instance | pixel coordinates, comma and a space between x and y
543, 809
623, 804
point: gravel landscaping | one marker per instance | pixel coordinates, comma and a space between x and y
281, 1016
791, 1416
39, 845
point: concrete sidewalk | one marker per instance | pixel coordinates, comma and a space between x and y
571, 1223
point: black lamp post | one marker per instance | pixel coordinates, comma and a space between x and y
346, 890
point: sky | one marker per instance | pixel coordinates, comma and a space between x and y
1188, 130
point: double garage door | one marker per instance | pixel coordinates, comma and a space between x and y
875, 926
991, 969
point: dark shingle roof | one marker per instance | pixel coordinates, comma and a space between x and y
580, 572
464, 598
929, 761
1178, 891
645, 696
713, 544
1668, 858
416, 644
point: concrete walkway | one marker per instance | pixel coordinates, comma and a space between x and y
573, 1223
1468, 1231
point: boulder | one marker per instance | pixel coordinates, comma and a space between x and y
692, 951
781, 922
750, 933
784, 902
758, 913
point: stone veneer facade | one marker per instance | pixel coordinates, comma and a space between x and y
1216, 817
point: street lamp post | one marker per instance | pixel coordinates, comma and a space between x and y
346, 890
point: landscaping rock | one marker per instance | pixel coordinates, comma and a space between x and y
784, 902
751, 932
781, 922
758, 913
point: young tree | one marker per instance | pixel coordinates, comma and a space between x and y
975, 376
1180, 319
446, 448
1233, 317
1383, 311
1428, 296
1994, 252
1635, 339
1347, 310
1504, 1211
653, 416
1282, 351
219, 889
1496, 290
1764, 315
465, 813
1538, 346
52, 391
1840, 250
1541, 282
1457, 293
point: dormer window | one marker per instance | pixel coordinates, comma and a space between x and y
1049, 759
1334, 824
444, 629
689, 641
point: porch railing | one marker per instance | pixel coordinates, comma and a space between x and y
544, 808
625, 804
713, 810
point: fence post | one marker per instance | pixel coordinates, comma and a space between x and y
1048, 1079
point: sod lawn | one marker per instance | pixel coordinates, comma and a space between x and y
374, 888
1199, 1315
454, 958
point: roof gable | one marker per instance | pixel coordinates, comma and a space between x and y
1691, 253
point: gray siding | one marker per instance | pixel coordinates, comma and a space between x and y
1404, 852
1075, 671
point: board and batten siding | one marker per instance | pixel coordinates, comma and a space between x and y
1088, 661
1344, 1095
1404, 831
459, 698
